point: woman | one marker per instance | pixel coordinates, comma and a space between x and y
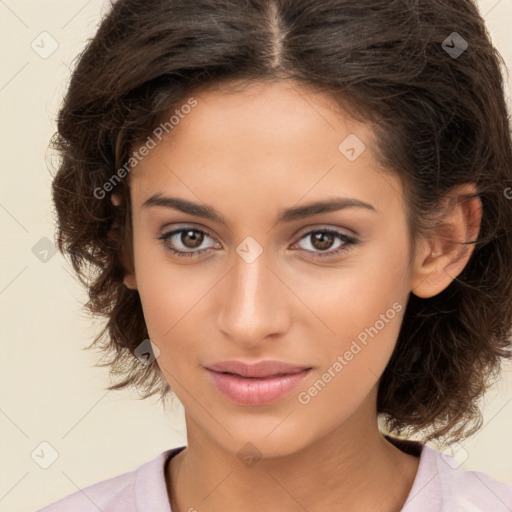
297, 220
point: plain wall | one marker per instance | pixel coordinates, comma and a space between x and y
50, 390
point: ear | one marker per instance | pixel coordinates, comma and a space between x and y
442, 256
129, 279
116, 200
129, 276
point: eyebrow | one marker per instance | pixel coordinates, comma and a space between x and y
286, 215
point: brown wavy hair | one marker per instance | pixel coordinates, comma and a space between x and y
440, 119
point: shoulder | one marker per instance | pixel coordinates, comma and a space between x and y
136, 490
111, 495
442, 484
474, 490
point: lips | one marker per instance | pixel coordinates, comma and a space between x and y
256, 384
260, 369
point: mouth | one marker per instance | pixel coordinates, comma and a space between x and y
267, 377
261, 369
256, 385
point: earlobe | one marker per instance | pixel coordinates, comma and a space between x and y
444, 255
436, 274
130, 281
116, 200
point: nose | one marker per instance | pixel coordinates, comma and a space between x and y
254, 303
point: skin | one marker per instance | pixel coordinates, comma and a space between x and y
250, 154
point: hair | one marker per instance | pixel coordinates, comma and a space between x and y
440, 120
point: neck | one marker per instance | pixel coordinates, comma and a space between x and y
352, 468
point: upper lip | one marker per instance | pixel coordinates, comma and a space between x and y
259, 369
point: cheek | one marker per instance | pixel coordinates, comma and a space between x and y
167, 290
169, 301
362, 305
354, 359
161, 293
173, 300
355, 296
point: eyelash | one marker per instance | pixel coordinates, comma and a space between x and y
349, 242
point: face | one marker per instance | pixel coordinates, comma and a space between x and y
323, 290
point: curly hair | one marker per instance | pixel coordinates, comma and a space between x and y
440, 118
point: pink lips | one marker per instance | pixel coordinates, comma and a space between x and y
256, 384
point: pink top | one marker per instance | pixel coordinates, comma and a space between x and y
439, 486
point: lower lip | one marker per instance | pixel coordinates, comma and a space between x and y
246, 391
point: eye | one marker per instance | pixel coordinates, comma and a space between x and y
189, 239
323, 239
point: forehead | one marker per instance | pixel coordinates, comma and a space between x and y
271, 112
263, 140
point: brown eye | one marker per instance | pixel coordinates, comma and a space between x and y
191, 238
185, 241
321, 240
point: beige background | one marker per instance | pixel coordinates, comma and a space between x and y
49, 390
